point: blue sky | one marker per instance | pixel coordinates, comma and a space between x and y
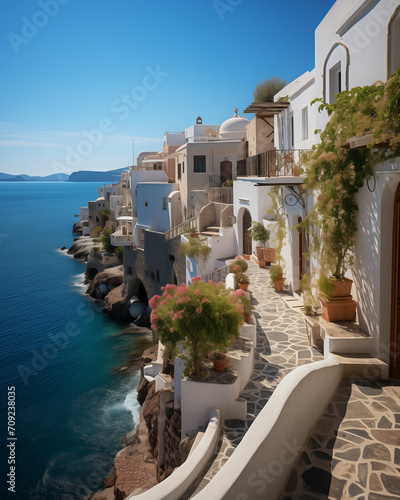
82, 78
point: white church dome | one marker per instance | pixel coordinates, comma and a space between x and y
234, 127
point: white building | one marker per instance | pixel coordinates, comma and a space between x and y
358, 44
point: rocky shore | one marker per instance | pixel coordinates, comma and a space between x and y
107, 284
137, 465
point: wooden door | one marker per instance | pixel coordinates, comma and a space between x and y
246, 235
395, 319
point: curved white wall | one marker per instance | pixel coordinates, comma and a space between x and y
261, 463
175, 485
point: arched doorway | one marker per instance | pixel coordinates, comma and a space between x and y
395, 317
246, 238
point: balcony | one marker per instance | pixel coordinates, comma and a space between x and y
121, 238
273, 163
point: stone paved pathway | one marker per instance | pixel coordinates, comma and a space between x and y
354, 449
282, 345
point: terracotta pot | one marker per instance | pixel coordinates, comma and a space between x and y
269, 254
338, 310
278, 284
342, 287
247, 318
245, 256
295, 171
261, 263
219, 365
243, 287
260, 253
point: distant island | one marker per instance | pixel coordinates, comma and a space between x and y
80, 176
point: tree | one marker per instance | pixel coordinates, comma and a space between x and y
107, 242
266, 89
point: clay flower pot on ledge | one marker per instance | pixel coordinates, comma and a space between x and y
269, 254
243, 286
278, 284
245, 256
219, 361
338, 309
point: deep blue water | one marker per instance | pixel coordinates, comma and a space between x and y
57, 349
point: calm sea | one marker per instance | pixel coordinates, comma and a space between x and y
57, 350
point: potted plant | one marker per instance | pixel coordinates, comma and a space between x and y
243, 281
276, 275
238, 266
219, 360
246, 305
261, 234
200, 318
337, 172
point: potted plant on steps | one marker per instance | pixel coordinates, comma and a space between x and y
220, 361
261, 234
246, 305
276, 275
243, 281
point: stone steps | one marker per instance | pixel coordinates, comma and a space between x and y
345, 337
363, 366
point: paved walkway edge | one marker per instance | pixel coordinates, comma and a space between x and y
265, 456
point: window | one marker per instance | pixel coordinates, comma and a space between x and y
164, 203
291, 130
179, 170
304, 123
335, 82
183, 167
199, 163
394, 30
145, 203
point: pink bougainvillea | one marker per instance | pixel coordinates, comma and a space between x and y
201, 317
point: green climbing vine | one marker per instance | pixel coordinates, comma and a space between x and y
336, 172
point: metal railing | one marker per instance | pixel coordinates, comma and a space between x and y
273, 163
217, 275
189, 225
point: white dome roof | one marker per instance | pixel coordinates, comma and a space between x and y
234, 127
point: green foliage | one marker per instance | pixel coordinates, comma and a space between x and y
201, 317
119, 252
106, 241
96, 231
228, 183
276, 272
238, 266
243, 297
306, 288
97, 240
95, 250
195, 248
279, 233
337, 172
259, 233
243, 279
266, 89
106, 212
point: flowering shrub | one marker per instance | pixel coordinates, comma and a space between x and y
202, 317
238, 266
243, 300
243, 279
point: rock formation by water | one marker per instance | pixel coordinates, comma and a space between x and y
137, 466
82, 247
